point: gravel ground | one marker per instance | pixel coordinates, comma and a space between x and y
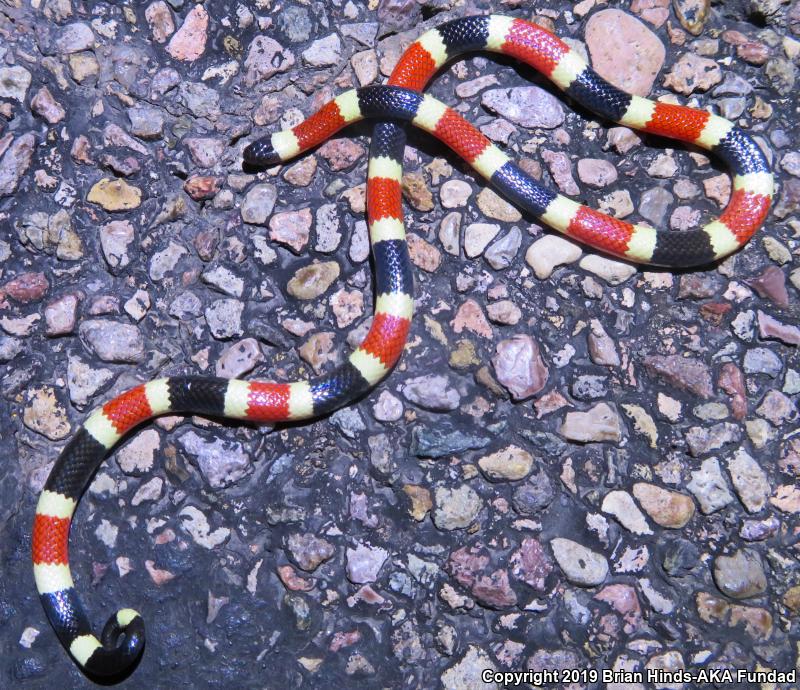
578, 464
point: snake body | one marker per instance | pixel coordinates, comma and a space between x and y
122, 640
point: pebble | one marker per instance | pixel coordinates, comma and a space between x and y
454, 193
501, 254
692, 14
693, 73
449, 231
258, 203
740, 575
14, 82
702, 440
770, 328
363, 563
159, 18
149, 491
318, 351
291, 228
221, 461
771, 284
365, 65
468, 672
599, 423
60, 316
669, 509
512, 463
709, 487
265, 58
534, 495
387, 408
347, 306
470, 317
324, 51
73, 38
494, 206
148, 123
44, 414
114, 135
761, 360
203, 187
527, 106
456, 508
343, 153
777, 408
302, 173
504, 312
205, 151
112, 341
239, 359
624, 51
83, 381
602, 349
560, 167
15, 163
623, 139
613, 272
9, 348
423, 254
432, 392
185, 306
26, 288
223, 280
596, 172
327, 229
519, 367
196, 525
189, 42
620, 504
580, 565
224, 318
83, 66
684, 373
164, 261
749, 480
787, 498
550, 251
115, 195
308, 551
45, 106
137, 457
477, 237
312, 281
654, 204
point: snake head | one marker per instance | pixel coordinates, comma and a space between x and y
261, 153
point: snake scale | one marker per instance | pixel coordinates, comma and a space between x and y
122, 640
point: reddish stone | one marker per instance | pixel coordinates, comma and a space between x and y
531, 564
294, 582
26, 287
202, 187
731, 380
189, 41
771, 285
344, 639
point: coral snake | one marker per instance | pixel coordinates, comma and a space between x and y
122, 640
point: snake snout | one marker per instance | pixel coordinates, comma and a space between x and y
261, 153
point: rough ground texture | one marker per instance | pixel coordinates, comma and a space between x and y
601, 473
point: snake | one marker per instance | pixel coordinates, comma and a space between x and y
393, 105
